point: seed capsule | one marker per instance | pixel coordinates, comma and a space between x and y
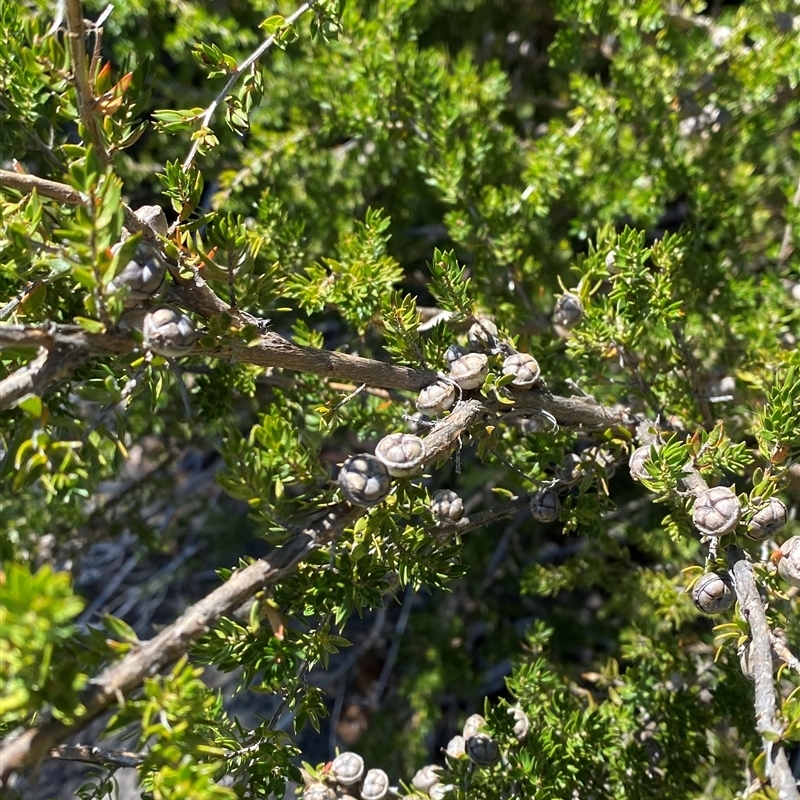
482, 335
143, 276
168, 332
318, 791
470, 370
456, 747
788, 560
403, 454
524, 368
545, 505
521, 723
426, 778
375, 786
482, 750
454, 352
364, 480
713, 593
347, 768
568, 311
716, 511
637, 462
767, 521
437, 398
447, 506
473, 724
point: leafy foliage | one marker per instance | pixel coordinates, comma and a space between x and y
374, 177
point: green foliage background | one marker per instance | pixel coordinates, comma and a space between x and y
390, 156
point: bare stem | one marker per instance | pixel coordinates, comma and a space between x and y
778, 769
89, 754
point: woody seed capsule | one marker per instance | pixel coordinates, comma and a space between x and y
716, 511
713, 593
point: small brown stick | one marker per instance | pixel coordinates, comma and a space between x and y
46, 188
48, 366
83, 91
89, 754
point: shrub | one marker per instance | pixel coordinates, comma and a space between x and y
597, 202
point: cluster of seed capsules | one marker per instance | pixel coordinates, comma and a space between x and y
345, 777
165, 330
365, 480
718, 511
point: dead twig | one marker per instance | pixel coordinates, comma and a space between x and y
89, 754
48, 367
124, 677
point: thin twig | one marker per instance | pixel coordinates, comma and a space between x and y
379, 687
238, 72
51, 189
80, 73
89, 754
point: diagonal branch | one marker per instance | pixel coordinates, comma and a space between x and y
37, 375
125, 676
89, 754
238, 72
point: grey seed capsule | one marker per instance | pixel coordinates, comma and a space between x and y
403, 454
375, 786
482, 335
787, 559
318, 791
437, 398
426, 778
470, 370
768, 520
454, 352
168, 332
568, 311
716, 511
525, 369
347, 768
364, 480
447, 506
456, 747
713, 593
545, 505
521, 723
473, 724
482, 750
637, 461
142, 277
